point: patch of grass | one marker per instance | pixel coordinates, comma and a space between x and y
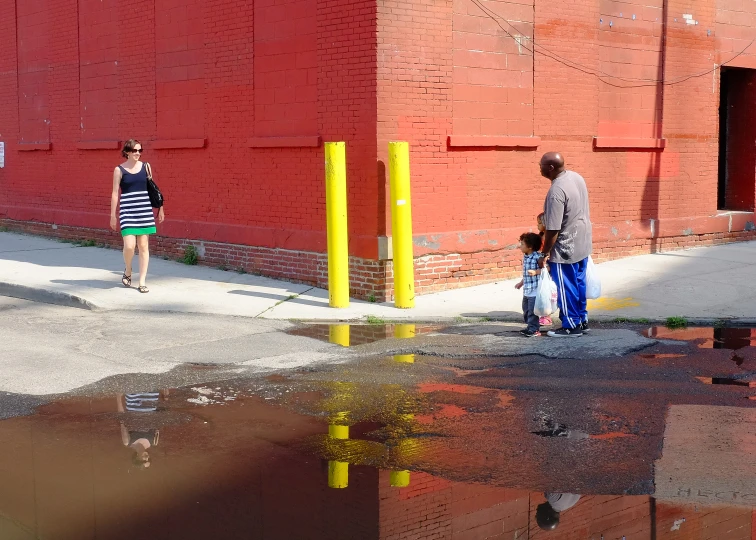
371, 298
190, 255
632, 320
241, 270
459, 319
87, 243
485, 319
720, 323
372, 319
676, 322
222, 267
4, 229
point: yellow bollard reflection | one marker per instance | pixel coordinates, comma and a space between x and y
339, 334
338, 471
405, 450
400, 479
404, 331
338, 474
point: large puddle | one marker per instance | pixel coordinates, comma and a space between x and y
398, 447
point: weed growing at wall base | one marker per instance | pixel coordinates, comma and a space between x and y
190, 255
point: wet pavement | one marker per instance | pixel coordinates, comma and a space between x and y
418, 444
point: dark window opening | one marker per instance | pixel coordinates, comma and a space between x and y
736, 186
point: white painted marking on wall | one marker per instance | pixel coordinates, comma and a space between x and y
401, 202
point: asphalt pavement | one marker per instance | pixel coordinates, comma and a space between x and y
702, 285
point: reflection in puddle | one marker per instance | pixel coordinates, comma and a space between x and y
350, 335
303, 456
710, 338
238, 471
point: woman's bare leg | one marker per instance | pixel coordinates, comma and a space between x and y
129, 243
144, 258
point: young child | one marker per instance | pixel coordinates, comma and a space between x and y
530, 243
543, 321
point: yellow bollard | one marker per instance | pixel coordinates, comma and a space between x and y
401, 225
339, 334
336, 225
338, 471
404, 331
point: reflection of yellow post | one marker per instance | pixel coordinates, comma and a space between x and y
404, 331
336, 225
338, 471
401, 225
405, 449
339, 334
400, 479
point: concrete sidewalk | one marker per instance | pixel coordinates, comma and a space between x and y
701, 284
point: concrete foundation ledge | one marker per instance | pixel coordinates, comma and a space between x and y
45, 296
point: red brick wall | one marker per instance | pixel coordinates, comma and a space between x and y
179, 68
172, 74
286, 68
479, 199
228, 96
493, 74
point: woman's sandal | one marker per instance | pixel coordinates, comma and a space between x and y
126, 280
143, 289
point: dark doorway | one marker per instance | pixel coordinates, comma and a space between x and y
736, 188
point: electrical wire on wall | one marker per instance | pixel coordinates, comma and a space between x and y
601, 75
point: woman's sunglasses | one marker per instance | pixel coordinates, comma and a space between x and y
137, 151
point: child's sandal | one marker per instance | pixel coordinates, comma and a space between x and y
126, 280
143, 289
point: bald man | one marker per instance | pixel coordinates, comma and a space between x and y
567, 242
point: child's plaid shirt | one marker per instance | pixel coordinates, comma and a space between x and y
530, 283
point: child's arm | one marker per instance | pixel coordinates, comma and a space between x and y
534, 272
519, 285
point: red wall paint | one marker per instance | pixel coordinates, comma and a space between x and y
225, 71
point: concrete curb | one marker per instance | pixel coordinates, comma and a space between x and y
45, 296
647, 321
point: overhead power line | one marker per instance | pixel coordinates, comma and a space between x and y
601, 75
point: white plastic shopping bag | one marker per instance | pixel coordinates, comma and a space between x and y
543, 305
592, 281
554, 302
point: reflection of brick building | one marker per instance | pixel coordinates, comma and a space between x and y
65, 475
233, 99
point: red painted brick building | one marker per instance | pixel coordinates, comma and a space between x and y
233, 99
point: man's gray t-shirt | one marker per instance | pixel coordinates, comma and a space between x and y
567, 211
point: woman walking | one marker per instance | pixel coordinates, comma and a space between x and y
136, 217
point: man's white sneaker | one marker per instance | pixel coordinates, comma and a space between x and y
566, 332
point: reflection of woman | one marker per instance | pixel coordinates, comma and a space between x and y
136, 217
547, 514
139, 440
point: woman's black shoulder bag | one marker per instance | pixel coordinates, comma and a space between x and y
156, 197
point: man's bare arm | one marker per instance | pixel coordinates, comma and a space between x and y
549, 239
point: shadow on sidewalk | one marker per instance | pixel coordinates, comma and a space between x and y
293, 299
91, 283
